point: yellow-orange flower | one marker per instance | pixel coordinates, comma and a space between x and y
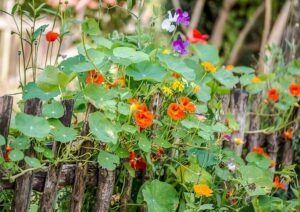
134, 104
167, 91
178, 85
229, 67
203, 190
238, 141
166, 51
209, 67
256, 80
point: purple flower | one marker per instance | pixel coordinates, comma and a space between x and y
201, 117
183, 17
230, 165
227, 137
180, 46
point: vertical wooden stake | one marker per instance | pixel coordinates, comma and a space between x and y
81, 169
106, 182
238, 104
47, 203
6, 103
23, 185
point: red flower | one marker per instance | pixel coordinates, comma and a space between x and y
7, 151
273, 95
144, 118
137, 162
288, 135
294, 89
52, 36
277, 184
94, 77
186, 105
175, 112
197, 37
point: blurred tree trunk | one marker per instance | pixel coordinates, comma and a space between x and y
234, 56
219, 26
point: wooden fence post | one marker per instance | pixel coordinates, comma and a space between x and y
106, 183
23, 184
5, 115
238, 105
81, 169
51, 183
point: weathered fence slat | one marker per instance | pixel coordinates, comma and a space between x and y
81, 169
254, 139
5, 115
126, 196
23, 184
106, 183
238, 106
51, 183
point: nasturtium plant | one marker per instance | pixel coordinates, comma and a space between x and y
107, 160
53, 110
160, 196
155, 111
32, 126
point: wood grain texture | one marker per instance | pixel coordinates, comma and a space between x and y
81, 169
23, 184
51, 183
6, 103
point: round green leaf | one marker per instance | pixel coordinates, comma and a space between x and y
32, 126
102, 128
144, 143
20, 143
33, 162
53, 110
160, 196
16, 155
64, 134
108, 161
2, 140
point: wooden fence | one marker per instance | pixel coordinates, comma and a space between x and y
48, 180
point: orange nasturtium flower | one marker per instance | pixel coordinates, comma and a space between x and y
229, 67
94, 77
175, 112
277, 184
261, 151
294, 89
256, 80
288, 135
52, 36
273, 95
186, 105
203, 190
144, 118
209, 67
